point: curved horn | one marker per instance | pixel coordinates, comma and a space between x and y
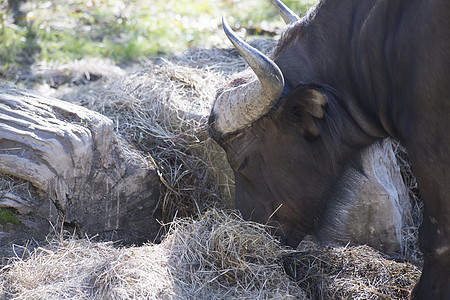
267, 71
238, 107
288, 15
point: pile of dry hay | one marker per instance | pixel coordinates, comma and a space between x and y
218, 256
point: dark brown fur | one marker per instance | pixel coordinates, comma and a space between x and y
384, 68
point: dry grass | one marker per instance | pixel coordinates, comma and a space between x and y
358, 272
75, 72
410, 232
218, 256
81, 269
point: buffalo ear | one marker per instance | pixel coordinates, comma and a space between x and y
315, 102
303, 104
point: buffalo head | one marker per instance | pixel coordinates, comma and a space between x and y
272, 136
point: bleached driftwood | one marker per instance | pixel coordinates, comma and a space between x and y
81, 171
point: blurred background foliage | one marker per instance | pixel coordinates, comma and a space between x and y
125, 30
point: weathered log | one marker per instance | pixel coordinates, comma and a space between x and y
82, 173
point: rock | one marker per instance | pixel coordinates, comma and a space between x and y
65, 165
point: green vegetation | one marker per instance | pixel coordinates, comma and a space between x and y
123, 30
7, 216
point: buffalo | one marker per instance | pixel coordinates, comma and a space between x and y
343, 77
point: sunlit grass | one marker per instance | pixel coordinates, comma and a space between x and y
123, 30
